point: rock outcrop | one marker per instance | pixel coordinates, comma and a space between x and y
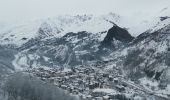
116, 33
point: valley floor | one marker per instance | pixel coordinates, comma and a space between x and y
97, 82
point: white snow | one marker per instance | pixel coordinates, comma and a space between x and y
60, 25
162, 47
46, 58
14, 34
66, 70
148, 83
168, 88
19, 65
124, 52
105, 90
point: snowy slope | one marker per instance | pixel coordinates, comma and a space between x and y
62, 25
157, 23
15, 33
58, 26
20, 33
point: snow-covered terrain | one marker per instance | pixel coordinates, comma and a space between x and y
20, 32
93, 56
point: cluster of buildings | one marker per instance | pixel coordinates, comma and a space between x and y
88, 82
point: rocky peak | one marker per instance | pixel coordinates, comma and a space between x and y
164, 18
117, 33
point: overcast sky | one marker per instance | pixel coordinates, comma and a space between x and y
31, 9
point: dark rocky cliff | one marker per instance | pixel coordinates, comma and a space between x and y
116, 33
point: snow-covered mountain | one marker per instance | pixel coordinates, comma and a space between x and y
134, 49
20, 32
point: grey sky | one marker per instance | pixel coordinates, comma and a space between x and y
30, 9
